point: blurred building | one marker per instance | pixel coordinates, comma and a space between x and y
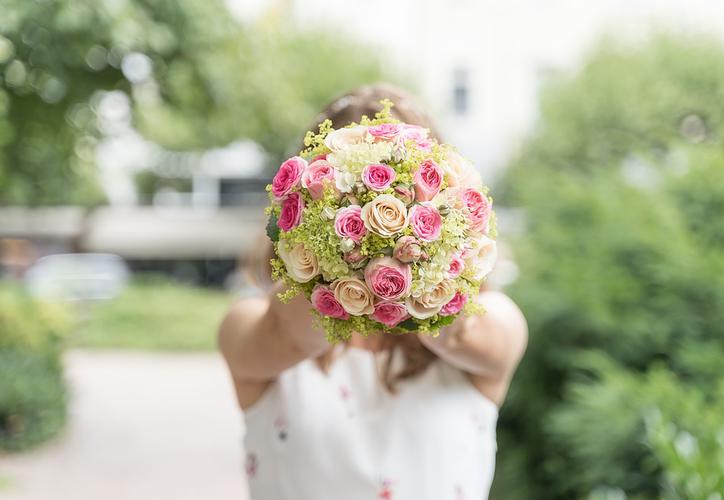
479, 63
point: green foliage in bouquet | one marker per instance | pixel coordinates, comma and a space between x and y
32, 389
622, 280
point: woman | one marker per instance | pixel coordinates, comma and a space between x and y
383, 417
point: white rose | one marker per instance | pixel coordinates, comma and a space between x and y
481, 256
344, 181
429, 303
354, 296
301, 264
386, 215
342, 138
459, 171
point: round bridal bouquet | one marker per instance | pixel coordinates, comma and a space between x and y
382, 228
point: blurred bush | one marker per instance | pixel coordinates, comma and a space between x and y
196, 78
32, 389
622, 280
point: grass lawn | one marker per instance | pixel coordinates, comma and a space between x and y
5, 483
154, 313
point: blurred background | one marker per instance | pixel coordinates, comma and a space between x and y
136, 137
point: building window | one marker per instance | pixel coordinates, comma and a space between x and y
461, 91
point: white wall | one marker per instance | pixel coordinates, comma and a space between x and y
506, 46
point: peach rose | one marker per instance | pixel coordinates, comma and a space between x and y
301, 264
459, 171
430, 303
385, 215
354, 296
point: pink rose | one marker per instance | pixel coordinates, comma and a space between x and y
291, 214
455, 305
316, 175
349, 224
426, 222
388, 278
428, 180
408, 249
354, 257
378, 177
323, 301
478, 208
457, 264
385, 131
417, 134
390, 313
288, 176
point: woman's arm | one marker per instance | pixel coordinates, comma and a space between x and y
260, 338
488, 347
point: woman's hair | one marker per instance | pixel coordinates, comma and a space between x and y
365, 101
343, 110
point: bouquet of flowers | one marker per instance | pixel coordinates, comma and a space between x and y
381, 227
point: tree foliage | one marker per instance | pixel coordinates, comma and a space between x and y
212, 80
622, 280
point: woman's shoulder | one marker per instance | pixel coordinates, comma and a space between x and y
244, 313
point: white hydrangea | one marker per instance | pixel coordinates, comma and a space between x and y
356, 157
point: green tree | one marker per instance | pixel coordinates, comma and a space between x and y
212, 80
622, 278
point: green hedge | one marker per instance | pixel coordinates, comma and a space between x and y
622, 281
32, 389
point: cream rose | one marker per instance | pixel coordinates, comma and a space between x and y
386, 215
430, 303
342, 138
481, 256
301, 264
459, 171
354, 296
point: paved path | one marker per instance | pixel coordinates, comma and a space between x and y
142, 427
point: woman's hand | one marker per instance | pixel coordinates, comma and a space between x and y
260, 338
488, 347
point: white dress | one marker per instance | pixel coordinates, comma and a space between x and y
343, 436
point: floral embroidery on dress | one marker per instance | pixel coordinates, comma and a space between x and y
251, 465
385, 491
282, 426
345, 395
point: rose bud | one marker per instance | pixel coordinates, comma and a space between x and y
347, 245
405, 193
408, 249
360, 188
328, 213
443, 210
355, 258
